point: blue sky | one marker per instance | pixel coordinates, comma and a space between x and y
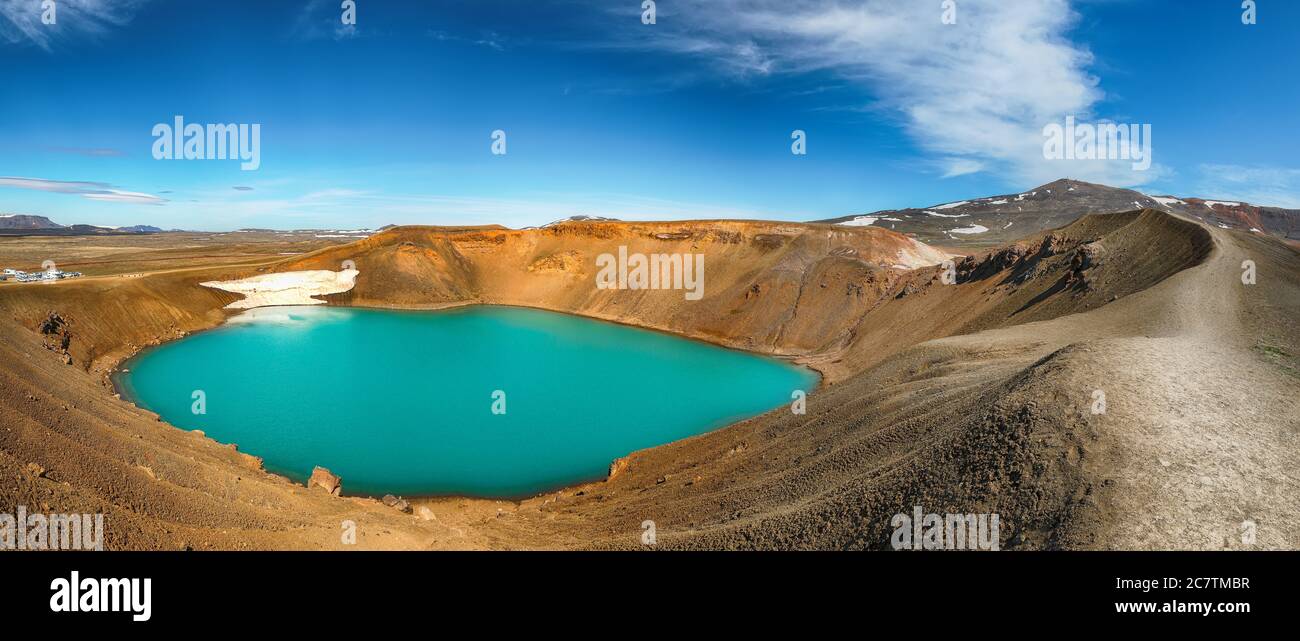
390, 120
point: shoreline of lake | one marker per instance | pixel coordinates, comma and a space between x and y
123, 383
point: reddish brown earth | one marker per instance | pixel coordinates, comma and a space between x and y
968, 397
1284, 223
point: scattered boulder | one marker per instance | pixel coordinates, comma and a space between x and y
1090, 255
327, 481
1086, 257
972, 268
725, 237
53, 323
36, 470
1052, 245
398, 503
56, 335
770, 241
569, 261
617, 467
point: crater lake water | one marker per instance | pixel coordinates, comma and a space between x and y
402, 402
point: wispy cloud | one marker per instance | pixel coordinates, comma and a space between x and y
975, 95
99, 191
116, 196
20, 20
323, 19
1258, 185
961, 167
489, 39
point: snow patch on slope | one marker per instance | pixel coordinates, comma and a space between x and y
861, 221
919, 254
286, 288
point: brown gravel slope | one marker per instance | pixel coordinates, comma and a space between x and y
970, 397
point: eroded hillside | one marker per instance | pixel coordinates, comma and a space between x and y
965, 394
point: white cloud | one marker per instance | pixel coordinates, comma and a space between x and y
56, 186
20, 20
116, 196
961, 167
976, 94
1257, 185
103, 192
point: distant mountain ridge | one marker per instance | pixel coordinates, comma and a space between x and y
976, 223
27, 221
996, 220
580, 218
19, 223
1278, 221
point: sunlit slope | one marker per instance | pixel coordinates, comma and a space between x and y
972, 396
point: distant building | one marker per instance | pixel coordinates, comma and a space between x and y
36, 277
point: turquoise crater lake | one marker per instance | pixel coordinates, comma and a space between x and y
402, 402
